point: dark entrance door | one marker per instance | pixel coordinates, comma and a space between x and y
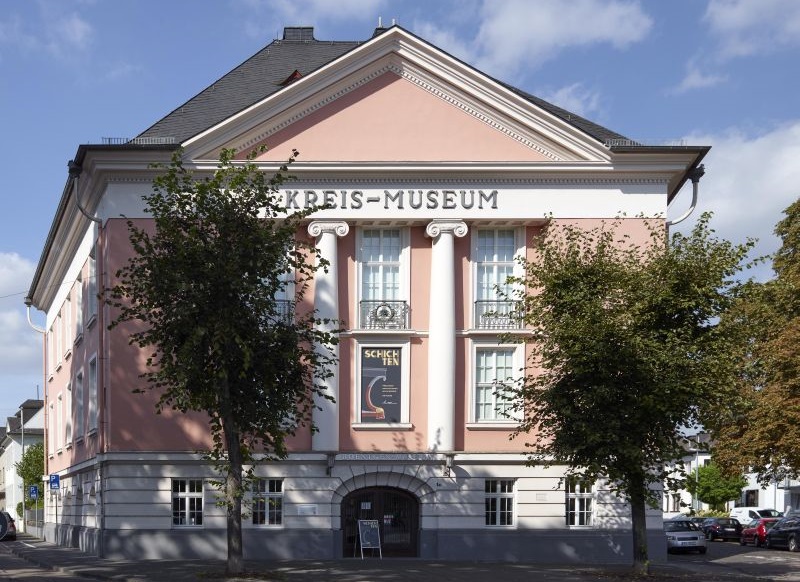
397, 512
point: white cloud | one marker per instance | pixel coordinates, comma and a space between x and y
575, 98
749, 181
747, 27
449, 41
55, 31
20, 346
514, 33
696, 79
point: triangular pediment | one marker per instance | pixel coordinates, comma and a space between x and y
397, 99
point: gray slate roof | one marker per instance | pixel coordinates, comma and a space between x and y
255, 79
264, 73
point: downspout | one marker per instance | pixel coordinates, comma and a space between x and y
74, 173
694, 175
46, 416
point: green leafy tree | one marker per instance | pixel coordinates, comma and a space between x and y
201, 288
758, 430
712, 486
30, 469
625, 352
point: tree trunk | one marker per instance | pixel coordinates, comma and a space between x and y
638, 503
233, 488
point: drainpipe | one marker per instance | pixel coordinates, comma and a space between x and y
74, 173
694, 175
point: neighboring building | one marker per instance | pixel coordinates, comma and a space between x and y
783, 496
22, 430
438, 177
698, 454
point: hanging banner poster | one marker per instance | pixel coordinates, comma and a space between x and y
380, 384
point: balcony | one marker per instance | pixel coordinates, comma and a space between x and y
383, 315
498, 315
284, 310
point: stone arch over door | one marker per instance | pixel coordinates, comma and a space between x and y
397, 500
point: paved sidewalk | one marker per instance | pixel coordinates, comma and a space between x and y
70, 560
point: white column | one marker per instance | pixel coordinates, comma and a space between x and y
442, 335
326, 303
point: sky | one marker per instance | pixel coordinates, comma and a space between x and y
722, 73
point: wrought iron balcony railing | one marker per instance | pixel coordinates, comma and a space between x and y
383, 315
284, 310
498, 315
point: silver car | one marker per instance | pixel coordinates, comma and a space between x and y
684, 536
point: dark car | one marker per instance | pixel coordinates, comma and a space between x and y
785, 533
755, 532
722, 528
8, 529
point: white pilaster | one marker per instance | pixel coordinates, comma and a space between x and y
442, 335
326, 303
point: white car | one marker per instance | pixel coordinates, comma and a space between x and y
684, 536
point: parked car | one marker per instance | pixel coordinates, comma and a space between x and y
683, 535
785, 533
755, 532
747, 514
7, 524
722, 528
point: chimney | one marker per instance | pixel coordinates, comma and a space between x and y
300, 33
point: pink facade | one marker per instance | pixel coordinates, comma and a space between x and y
438, 179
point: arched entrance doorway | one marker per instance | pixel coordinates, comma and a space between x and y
397, 512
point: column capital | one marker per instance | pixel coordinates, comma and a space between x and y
436, 227
337, 227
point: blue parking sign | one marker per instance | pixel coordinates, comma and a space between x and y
55, 482
33, 492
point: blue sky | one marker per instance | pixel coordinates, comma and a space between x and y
723, 73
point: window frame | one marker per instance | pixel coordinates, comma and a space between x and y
517, 269
581, 496
91, 290
188, 496
68, 416
80, 424
499, 496
267, 496
404, 288
93, 405
518, 366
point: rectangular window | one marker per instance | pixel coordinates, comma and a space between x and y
79, 307
51, 430
51, 350
59, 333
67, 326
383, 297
59, 416
268, 502
499, 501
187, 502
91, 291
79, 413
92, 409
68, 416
580, 502
494, 255
494, 374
